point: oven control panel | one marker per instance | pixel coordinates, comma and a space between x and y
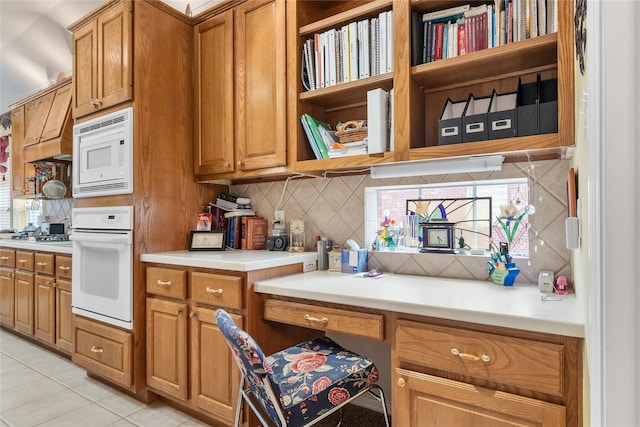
103, 218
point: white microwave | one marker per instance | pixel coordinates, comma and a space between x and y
103, 155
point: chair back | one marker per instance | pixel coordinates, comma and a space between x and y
253, 364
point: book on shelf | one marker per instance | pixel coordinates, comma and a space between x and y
346, 149
446, 13
313, 126
239, 212
377, 121
310, 138
254, 232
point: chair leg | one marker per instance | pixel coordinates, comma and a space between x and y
239, 403
380, 399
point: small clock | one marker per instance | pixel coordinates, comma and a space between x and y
437, 238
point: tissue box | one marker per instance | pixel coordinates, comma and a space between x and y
354, 261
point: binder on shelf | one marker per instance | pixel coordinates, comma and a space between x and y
502, 115
310, 138
548, 106
450, 123
527, 108
474, 119
378, 121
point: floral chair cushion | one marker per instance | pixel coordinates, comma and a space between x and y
315, 376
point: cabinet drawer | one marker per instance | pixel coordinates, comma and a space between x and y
325, 319
103, 350
44, 263
520, 362
24, 260
167, 282
63, 266
216, 289
8, 258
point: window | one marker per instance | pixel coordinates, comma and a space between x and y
506, 195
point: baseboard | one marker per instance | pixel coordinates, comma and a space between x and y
369, 402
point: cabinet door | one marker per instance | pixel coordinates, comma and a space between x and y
167, 347
215, 374
45, 308
424, 400
115, 65
7, 297
34, 131
18, 177
24, 302
85, 69
260, 84
58, 114
213, 41
64, 316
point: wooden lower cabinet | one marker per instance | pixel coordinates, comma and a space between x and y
167, 347
426, 400
103, 350
215, 376
454, 373
45, 308
64, 316
24, 302
7, 297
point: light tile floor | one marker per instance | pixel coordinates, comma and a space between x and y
41, 388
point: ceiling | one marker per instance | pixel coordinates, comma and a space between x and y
35, 45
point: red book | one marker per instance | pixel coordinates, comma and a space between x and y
462, 40
439, 40
256, 232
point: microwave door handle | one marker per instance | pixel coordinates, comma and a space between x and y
100, 238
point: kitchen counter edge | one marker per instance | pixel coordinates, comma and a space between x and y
520, 306
57, 247
236, 260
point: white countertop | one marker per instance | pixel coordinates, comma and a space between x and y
57, 247
519, 306
236, 260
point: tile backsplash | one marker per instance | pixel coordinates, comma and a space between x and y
58, 210
334, 208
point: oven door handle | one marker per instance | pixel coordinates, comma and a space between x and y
101, 238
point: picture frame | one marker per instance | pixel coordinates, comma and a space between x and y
207, 240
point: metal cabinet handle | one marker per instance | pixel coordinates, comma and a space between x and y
315, 319
24, 282
22, 261
213, 291
163, 282
467, 356
7, 277
64, 268
4, 258
96, 349
41, 264
401, 382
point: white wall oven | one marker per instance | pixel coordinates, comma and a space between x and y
102, 282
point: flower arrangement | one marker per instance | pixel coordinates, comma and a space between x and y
387, 237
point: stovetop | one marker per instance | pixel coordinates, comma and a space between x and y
53, 238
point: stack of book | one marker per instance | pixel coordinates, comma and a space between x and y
232, 202
354, 51
463, 29
324, 142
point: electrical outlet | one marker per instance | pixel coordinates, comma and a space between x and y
309, 266
278, 221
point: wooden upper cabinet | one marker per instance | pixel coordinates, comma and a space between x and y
40, 115
261, 84
58, 114
102, 60
214, 148
18, 172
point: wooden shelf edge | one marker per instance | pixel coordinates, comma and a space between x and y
351, 91
539, 52
344, 17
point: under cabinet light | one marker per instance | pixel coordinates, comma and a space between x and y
438, 166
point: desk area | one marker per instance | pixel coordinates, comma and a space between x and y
461, 350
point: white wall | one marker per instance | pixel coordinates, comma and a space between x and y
613, 322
